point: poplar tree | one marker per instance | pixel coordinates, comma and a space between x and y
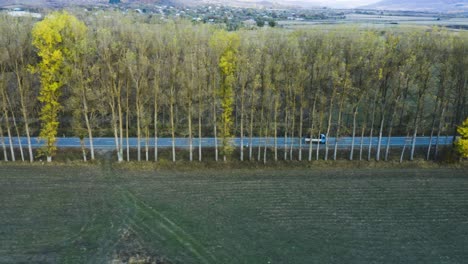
228, 44
54, 37
462, 143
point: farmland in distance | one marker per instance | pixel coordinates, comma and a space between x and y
395, 22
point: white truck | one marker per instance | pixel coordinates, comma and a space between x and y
320, 140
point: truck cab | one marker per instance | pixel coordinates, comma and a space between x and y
320, 140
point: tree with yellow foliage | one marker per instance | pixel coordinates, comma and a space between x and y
55, 38
461, 144
227, 44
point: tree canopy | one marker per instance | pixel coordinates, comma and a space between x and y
462, 143
136, 76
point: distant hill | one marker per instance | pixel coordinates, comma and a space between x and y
47, 3
238, 3
55, 3
421, 5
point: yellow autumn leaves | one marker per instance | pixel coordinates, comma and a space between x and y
227, 45
55, 38
462, 143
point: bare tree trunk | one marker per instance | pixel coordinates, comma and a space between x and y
439, 130
191, 88
88, 127
413, 143
382, 116
361, 145
317, 156
387, 148
328, 128
119, 105
351, 153
28, 138
404, 148
7, 118
251, 127
266, 143
147, 143
2, 141
262, 126
24, 113
241, 147
259, 150
415, 133
127, 125
114, 100
293, 127
428, 154
20, 145
10, 140
379, 142
286, 120
215, 135
116, 133
419, 110
371, 134
199, 124
138, 112
83, 148
275, 128
189, 115
127, 136
311, 134
199, 136
301, 119
340, 112
190, 132
172, 124
215, 121
156, 121
309, 158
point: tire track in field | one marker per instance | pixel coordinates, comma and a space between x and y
86, 227
124, 215
168, 226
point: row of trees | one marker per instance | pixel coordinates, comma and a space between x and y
114, 75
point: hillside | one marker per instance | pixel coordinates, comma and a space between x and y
47, 3
58, 3
236, 3
422, 5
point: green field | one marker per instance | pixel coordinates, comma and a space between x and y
100, 214
401, 23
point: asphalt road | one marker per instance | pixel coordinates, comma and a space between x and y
343, 142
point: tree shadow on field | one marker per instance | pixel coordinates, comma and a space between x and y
107, 159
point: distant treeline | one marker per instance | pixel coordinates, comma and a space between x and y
131, 76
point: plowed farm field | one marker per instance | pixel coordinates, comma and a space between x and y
100, 214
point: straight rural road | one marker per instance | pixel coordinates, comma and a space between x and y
343, 142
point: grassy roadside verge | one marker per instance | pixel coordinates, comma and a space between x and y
73, 157
246, 165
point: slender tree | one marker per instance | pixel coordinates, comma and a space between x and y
227, 44
55, 39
